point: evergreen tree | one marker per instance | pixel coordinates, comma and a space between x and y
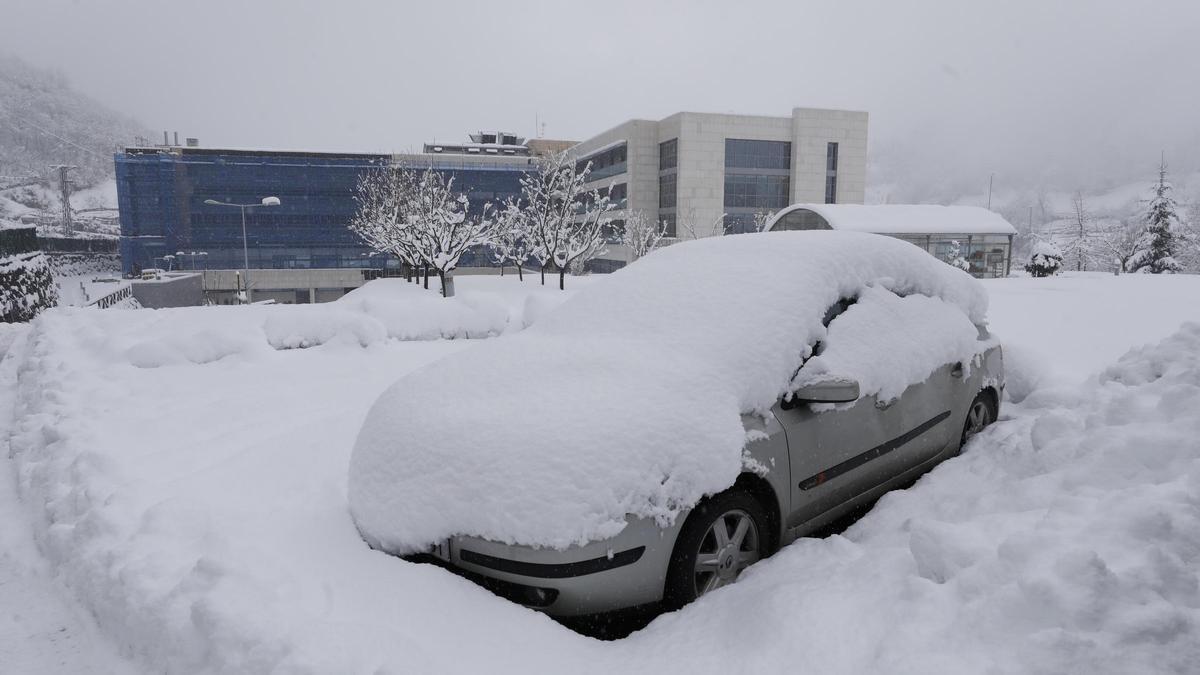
1161, 238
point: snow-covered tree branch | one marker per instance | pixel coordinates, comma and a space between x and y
641, 234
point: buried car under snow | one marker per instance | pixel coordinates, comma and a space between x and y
678, 421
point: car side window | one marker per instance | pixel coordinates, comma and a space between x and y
836, 310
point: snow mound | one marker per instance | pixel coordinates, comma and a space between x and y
627, 399
408, 312
199, 348
308, 326
862, 343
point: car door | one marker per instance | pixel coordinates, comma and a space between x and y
839, 452
829, 451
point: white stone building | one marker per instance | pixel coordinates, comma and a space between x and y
704, 174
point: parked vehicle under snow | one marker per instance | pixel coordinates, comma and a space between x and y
664, 429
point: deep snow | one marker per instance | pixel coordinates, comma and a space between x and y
198, 511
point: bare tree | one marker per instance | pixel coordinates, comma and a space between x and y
761, 219
584, 238
511, 242
384, 219
641, 234
690, 223
1078, 237
564, 221
417, 216
1122, 240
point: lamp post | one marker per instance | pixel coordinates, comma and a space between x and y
191, 256
266, 201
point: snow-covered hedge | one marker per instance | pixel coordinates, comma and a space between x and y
628, 398
26, 286
1045, 260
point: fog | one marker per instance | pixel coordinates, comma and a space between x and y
1066, 93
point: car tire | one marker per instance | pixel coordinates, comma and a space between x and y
704, 559
980, 415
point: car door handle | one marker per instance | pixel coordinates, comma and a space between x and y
957, 370
884, 405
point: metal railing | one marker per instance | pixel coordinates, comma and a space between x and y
105, 301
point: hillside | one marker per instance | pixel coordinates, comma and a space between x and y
44, 122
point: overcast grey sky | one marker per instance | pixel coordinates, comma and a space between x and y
1070, 91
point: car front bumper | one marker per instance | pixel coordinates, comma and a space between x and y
625, 571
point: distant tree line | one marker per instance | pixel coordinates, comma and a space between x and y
1152, 239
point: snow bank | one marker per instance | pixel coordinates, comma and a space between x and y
484, 306
311, 325
627, 399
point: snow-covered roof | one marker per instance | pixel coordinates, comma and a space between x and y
627, 399
904, 218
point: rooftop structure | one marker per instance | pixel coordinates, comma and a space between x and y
982, 238
501, 143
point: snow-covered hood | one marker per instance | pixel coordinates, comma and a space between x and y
627, 400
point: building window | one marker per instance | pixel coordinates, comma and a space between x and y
756, 191
667, 184
668, 225
618, 194
613, 231
745, 154
739, 223
610, 162
831, 162
668, 154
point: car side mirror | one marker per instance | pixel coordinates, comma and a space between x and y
833, 390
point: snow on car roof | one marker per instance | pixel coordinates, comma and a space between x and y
627, 399
904, 218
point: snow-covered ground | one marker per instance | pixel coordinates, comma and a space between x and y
192, 504
80, 290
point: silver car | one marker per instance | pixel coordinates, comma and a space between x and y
821, 465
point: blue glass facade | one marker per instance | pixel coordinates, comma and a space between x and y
161, 196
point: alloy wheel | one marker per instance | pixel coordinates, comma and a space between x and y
730, 545
978, 417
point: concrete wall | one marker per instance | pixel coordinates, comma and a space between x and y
812, 130
172, 290
313, 285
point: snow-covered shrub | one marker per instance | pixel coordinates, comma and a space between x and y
26, 286
1045, 261
955, 257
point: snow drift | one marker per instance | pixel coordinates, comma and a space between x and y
625, 400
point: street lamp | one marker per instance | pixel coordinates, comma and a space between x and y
266, 201
191, 255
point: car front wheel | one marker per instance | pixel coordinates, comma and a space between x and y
979, 416
721, 537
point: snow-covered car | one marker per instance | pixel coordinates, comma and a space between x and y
672, 424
